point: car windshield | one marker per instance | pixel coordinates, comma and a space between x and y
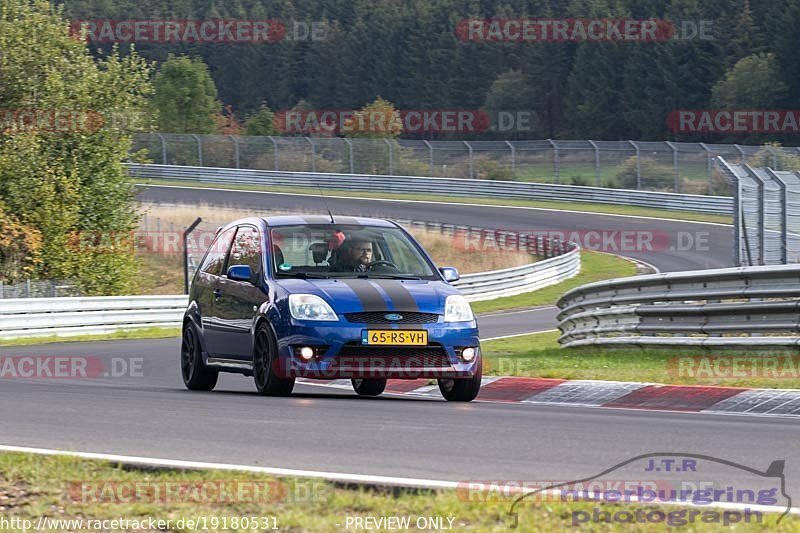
347, 251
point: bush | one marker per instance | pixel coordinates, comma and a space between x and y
20, 248
652, 173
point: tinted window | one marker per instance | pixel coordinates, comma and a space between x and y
246, 249
215, 258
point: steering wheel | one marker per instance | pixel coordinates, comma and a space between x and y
382, 263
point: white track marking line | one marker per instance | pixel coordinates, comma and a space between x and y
518, 335
342, 477
399, 200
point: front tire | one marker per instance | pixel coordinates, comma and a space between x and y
265, 363
196, 375
368, 387
462, 390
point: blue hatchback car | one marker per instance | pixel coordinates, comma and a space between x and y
327, 297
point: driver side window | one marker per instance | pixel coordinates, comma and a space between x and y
247, 249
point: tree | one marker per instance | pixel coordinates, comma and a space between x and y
66, 180
262, 122
185, 96
753, 82
379, 119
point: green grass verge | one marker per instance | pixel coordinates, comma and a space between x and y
539, 355
144, 333
595, 266
32, 486
570, 206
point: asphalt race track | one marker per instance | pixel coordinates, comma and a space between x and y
335, 431
691, 246
151, 414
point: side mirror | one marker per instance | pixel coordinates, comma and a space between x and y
240, 273
450, 274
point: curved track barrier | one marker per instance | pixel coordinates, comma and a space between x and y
719, 205
63, 317
746, 306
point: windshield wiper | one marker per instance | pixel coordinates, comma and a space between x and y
384, 276
303, 275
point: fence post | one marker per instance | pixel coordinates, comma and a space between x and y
596, 163
235, 149
1, 289
313, 154
761, 226
675, 165
784, 216
28, 288
186, 233
391, 165
513, 158
736, 186
430, 149
350, 148
163, 148
555, 160
741, 152
709, 165
275, 148
471, 173
638, 166
199, 150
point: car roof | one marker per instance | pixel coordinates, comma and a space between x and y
303, 220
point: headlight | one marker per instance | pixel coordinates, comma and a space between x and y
457, 309
310, 307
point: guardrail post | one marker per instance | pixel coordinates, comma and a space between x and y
186, 233
350, 149
199, 150
638, 166
471, 173
675, 165
391, 166
513, 158
430, 151
555, 160
163, 148
709, 165
761, 224
596, 163
275, 148
313, 154
784, 216
235, 150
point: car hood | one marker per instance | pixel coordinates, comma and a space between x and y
354, 295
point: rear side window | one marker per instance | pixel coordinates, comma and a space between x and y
246, 249
215, 258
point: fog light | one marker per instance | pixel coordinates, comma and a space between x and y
306, 352
468, 354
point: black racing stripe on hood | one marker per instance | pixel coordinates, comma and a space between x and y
402, 300
371, 299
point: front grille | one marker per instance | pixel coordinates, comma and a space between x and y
374, 317
398, 357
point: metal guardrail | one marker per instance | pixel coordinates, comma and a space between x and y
63, 317
743, 306
721, 205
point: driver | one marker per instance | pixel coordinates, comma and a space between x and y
355, 257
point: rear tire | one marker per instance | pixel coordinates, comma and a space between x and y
265, 363
196, 375
368, 387
462, 390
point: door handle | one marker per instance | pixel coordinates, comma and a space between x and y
217, 294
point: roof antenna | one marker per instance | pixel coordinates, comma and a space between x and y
325, 201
